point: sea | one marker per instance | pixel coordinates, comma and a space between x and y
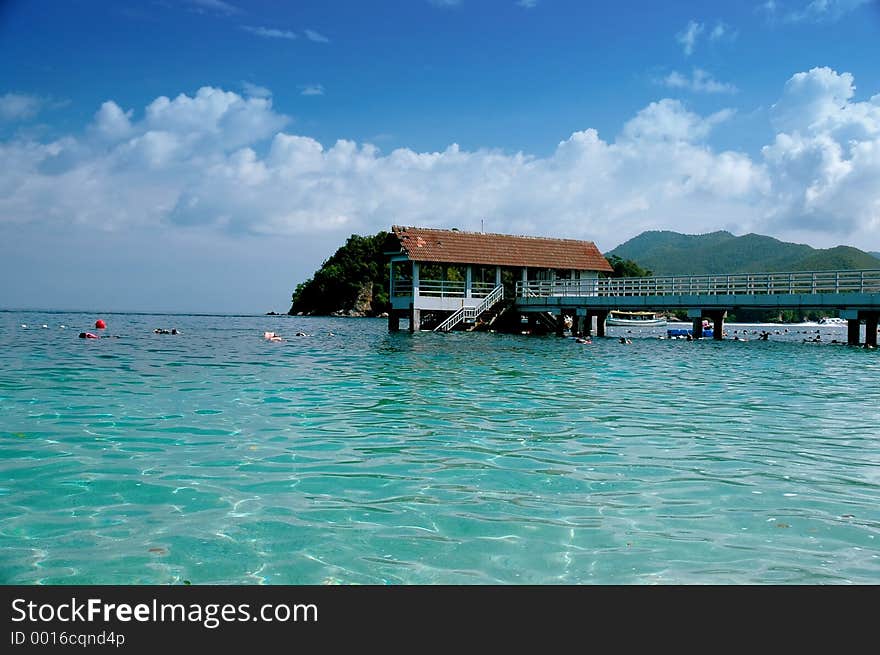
352, 455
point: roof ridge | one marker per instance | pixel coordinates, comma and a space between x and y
404, 228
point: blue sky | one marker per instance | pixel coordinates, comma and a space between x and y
207, 155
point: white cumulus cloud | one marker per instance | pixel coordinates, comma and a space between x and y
220, 162
668, 120
825, 161
111, 122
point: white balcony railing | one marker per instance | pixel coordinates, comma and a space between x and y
441, 288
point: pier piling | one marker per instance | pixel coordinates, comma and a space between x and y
393, 321
717, 318
852, 331
871, 329
600, 322
415, 316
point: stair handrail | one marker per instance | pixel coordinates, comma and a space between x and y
451, 321
471, 312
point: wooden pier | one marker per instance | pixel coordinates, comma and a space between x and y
459, 278
854, 295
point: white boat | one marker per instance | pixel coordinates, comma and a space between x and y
832, 320
635, 319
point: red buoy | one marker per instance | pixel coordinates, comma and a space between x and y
100, 324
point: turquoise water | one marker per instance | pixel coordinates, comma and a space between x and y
367, 457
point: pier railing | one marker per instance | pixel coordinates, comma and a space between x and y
442, 288
809, 282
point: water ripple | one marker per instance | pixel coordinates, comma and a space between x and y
377, 458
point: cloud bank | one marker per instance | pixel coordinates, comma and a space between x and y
221, 162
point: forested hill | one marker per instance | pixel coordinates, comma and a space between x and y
671, 253
353, 281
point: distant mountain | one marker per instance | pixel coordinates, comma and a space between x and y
671, 253
876, 254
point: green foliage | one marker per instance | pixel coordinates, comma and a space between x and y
838, 258
448, 272
357, 266
626, 268
671, 253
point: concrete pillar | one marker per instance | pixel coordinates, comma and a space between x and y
601, 315
415, 284
468, 280
415, 316
852, 331
575, 325
585, 319
497, 276
390, 282
871, 329
393, 321
696, 316
717, 318
718, 327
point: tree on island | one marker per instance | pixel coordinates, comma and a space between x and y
626, 268
354, 280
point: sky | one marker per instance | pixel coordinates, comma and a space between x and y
208, 155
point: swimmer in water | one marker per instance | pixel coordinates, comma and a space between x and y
271, 336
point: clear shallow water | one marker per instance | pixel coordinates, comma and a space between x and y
368, 457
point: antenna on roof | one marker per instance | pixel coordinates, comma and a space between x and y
482, 228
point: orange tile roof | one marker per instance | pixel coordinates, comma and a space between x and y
456, 247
